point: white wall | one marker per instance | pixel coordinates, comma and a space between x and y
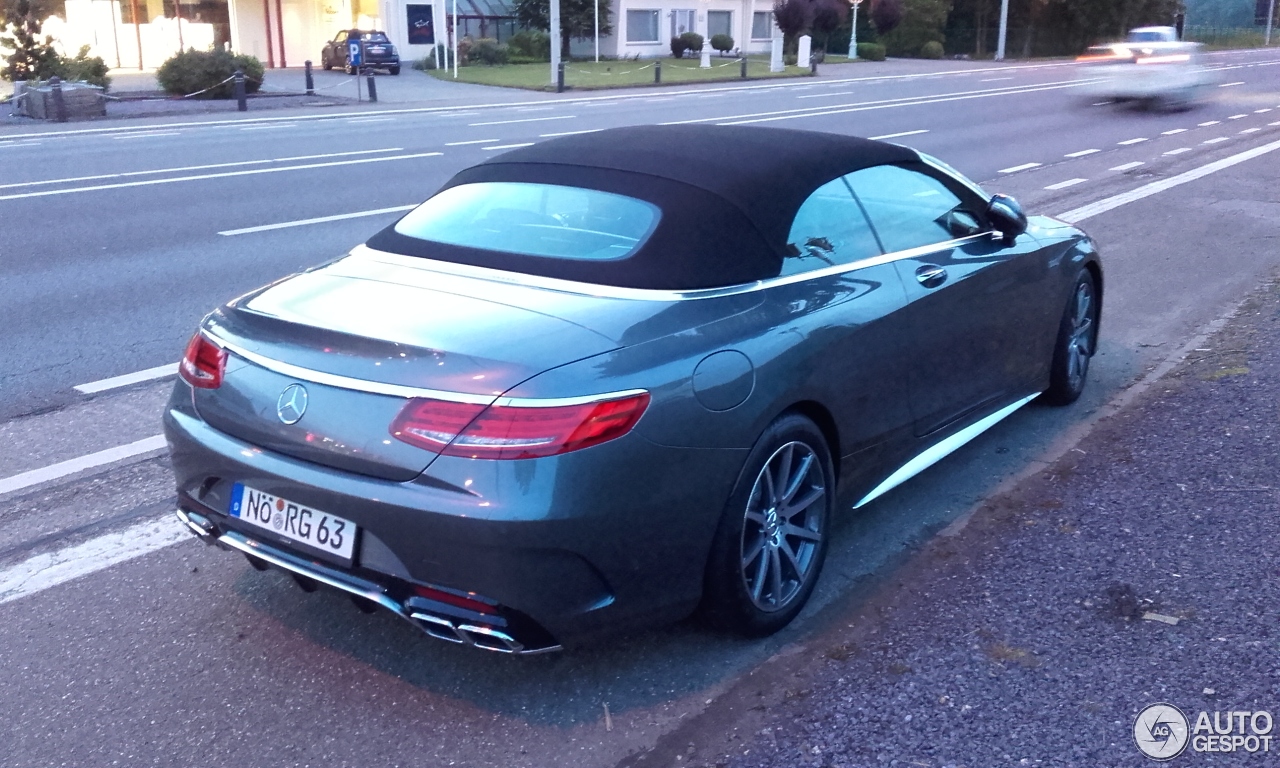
740, 22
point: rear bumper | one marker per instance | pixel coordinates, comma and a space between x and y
567, 550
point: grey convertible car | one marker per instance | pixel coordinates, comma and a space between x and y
607, 380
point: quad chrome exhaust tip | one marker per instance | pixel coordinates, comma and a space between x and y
310, 575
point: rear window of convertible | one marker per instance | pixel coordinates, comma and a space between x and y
544, 220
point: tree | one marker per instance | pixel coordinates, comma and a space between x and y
886, 14
793, 18
32, 58
826, 17
923, 21
577, 21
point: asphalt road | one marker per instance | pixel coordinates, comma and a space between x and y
186, 654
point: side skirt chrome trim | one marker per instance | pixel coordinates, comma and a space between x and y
940, 450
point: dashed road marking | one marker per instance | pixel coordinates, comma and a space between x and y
1237, 117
1173, 132
1228, 85
1128, 166
508, 146
159, 372
151, 134
1251, 130
1082, 153
898, 135
1178, 151
1023, 167
568, 133
524, 120
1131, 141
473, 141
81, 463
1211, 122
1218, 140
1067, 183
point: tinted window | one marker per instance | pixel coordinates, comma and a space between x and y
829, 229
534, 220
911, 209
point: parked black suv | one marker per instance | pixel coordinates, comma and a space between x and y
379, 53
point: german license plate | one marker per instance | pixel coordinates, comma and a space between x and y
319, 530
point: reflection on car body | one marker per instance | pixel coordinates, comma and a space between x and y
600, 382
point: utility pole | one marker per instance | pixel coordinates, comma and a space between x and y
555, 40
1004, 29
1271, 16
595, 7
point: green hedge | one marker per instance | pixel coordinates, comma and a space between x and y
871, 51
931, 50
191, 71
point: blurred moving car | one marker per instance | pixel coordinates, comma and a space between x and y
1151, 67
379, 53
598, 382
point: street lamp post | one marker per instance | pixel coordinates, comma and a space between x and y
554, 23
853, 35
1004, 29
1271, 16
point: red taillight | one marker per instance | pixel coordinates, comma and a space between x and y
515, 431
203, 362
448, 598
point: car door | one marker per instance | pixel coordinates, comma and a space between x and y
975, 313
340, 52
839, 305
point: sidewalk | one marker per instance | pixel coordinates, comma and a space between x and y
1021, 639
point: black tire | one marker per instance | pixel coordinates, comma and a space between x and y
325, 64
394, 70
754, 535
1076, 343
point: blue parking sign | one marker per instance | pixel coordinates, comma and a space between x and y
353, 53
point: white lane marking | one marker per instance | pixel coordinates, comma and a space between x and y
148, 135
825, 95
1237, 117
1228, 85
268, 127
1173, 132
1211, 122
1218, 140
1262, 111
1155, 187
524, 120
840, 109
370, 120
1082, 153
43, 571
508, 146
662, 98
568, 133
182, 169
898, 135
1131, 141
317, 220
1127, 166
1251, 130
1101, 103
1274, 124
1178, 151
473, 141
440, 114
251, 172
20, 144
1023, 167
534, 109
101, 385
1067, 183
71, 466
994, 79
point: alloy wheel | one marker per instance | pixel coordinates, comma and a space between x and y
1080, 344
783, 527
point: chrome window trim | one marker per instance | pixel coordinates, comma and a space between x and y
649, 294
407, 392
950, 173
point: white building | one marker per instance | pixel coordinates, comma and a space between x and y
286, 32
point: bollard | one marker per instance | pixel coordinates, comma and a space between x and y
373, 88
311, 83
241, 100
59, 104
657, 73
744, 67
560, 78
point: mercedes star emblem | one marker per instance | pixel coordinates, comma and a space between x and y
292, 404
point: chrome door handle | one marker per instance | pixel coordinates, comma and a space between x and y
931, 275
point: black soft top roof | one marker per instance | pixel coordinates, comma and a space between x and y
728, 196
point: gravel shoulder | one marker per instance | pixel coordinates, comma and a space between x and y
1021, 639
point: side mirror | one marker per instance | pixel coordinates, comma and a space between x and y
1006, 215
